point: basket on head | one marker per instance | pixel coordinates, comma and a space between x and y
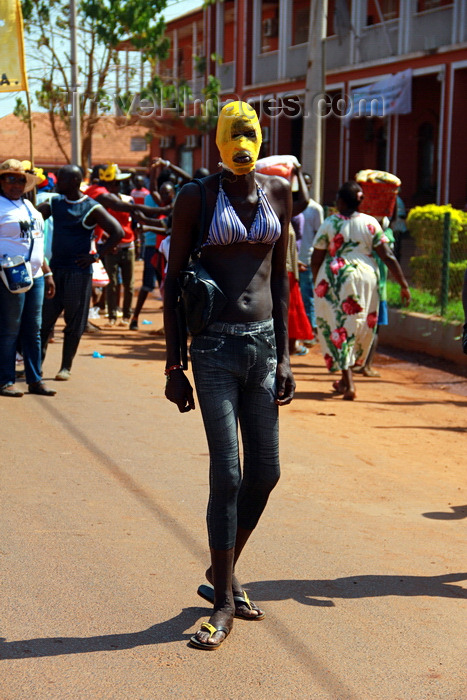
380, 189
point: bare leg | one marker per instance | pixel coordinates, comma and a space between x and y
340, 386
349, 394
237, 590
368, 370
221, 572
142, 296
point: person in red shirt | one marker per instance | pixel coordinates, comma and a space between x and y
138, 193
107, 192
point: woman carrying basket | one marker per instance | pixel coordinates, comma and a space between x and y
346, 285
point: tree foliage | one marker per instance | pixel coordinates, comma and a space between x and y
102, 25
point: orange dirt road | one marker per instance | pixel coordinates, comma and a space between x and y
359, 560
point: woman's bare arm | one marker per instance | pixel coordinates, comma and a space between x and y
184, 226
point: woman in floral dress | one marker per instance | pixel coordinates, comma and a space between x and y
346, 284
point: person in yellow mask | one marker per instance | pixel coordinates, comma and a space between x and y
238, 137
240, 360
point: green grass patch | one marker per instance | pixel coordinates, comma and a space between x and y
425, 303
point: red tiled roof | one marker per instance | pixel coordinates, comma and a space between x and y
111, 142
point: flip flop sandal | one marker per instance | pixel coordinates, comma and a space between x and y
212, 630
206, 591
301, 351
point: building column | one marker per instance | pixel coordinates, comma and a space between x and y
283, 39
444, 128
219, 33
450, 75
194, 54
205, 137
175, 54
395, 142
257, 28
356, 18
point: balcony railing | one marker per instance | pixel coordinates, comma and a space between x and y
378, 41
431, 29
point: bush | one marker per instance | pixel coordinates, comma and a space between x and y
426, 225
427, 274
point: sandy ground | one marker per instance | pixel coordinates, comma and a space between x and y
359, 560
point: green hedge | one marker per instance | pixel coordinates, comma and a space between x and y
427, 274
426, 226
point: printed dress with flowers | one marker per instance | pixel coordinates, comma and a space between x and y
346, 289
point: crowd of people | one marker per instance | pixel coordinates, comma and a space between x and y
78, 242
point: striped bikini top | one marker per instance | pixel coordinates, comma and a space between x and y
226, 227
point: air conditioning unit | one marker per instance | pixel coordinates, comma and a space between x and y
270, 26
265, 131
191, 141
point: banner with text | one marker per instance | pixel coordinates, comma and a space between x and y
12, 64
392, 95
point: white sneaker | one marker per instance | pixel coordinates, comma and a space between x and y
63, 375
94, 312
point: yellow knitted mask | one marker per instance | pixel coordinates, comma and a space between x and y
238, 137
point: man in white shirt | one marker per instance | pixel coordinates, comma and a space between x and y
313, 216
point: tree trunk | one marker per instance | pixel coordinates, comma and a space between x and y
57, 136
313, 122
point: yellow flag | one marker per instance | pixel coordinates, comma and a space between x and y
12, 64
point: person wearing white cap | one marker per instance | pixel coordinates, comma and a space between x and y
21, 234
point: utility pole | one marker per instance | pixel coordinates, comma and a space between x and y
313, 122
75, 100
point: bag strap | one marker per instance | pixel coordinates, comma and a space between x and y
27, 259
33, 223
202, 225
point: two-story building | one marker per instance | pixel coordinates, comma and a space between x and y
259, 51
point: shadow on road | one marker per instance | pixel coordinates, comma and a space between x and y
458, 513
172, 630
308, 592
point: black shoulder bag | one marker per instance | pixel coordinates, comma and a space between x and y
203, 300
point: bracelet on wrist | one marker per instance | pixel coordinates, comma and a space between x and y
170, 369
48, 274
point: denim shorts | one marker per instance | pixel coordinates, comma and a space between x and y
234, 367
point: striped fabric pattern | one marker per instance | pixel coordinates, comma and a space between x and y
226, 227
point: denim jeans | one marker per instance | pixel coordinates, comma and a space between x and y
124, 260
21, 316
306, 288
234, 367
